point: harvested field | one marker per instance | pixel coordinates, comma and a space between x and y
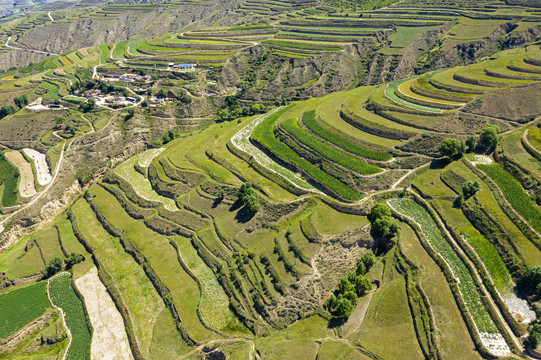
27, 187
40, 161
109, 339
149, 155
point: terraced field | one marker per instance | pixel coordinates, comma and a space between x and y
228, 214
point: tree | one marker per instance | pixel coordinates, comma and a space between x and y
343, 308
534, 339
471, 143
351, 296
381, 225
54, 266
161, 93
74, 259
362, 285
452, 148
394, 228
469, 188
459, 201
129, 115
6, 110
221, 194
248, 196
378, 211
531, 279
344, 285
21, 101
331, 302
361, 268
369, 259
488, 139
87, 106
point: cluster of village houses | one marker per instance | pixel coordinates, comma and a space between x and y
115, 99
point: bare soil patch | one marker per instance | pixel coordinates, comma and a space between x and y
42, 169
109, 340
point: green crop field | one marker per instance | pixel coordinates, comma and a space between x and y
119, 50
309, 120
515, 194
264, 134
237, 219
302, 46
21, 306
440, 244
9, 175
52, 91
63, 296
350, 162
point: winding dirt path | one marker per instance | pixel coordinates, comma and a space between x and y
33, 50
527, 141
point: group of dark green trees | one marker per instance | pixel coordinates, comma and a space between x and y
20, 102
56, 265
235, 113
341, 303
248, 196
469, 188
380, 218
488, 140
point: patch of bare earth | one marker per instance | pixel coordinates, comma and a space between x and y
26, 186
109, 340
339, 255
40, 161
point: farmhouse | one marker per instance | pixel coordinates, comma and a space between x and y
156, 101
185, 67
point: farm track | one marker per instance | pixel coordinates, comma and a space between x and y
528, 142
33, 50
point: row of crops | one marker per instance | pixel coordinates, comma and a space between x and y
328, 152
63, 296
264, 134
514, 193
316, 126
440, 244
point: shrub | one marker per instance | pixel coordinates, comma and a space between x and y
469, 188
21, 101
248, 196
54, 266
488, 139
74, 259
452, 148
